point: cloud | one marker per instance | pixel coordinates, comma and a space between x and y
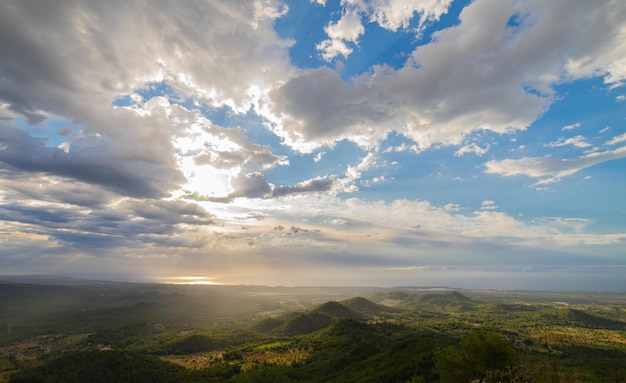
79, 217
616, 139
471, 148
251, 185
451, 207
471, 76
317, 108
395, 14
482, 74
354, 173
577, 141
71, 61
91, 159
389, 14
319, 232
425, 228
316, 185
255, 185
138, 82
374, 180
95, 48
571, 127
367, 162
555, 168
488, 205
210, 156
238, 151
347, 29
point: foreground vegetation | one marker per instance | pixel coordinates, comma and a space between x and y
108, 332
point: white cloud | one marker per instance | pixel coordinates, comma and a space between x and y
400, 148
452, 207
616, 139
471, 148
395, 14
367, 162
318, 157
347, 29
577, 141
488, 205
332, 48
571, 127
555, 168
374, 181
604, 130
620, 98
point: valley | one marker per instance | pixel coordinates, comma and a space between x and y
67, 331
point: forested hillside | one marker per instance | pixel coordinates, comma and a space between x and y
160, 333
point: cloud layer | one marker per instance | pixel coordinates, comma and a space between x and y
138, 134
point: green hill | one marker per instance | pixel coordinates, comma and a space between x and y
315, 320
577, 318
338, 310
353, 351
267, 325
448, 301
363, 305
105, 367
304, 324
397, 295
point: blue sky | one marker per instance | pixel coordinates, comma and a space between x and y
477, 144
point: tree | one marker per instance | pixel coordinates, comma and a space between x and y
482, 356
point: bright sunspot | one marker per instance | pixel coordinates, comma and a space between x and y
191, 280
195, 160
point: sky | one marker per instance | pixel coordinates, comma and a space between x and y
474, 144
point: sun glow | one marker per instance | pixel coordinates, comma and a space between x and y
195, 154
191, 280
204, 180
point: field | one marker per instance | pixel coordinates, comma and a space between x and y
74, 330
